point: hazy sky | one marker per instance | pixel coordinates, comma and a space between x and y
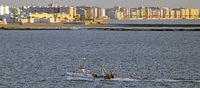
106, 3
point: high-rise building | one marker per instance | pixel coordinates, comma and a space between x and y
119, 15
95, 12
142, 12
110, 12
166, 12
187, 13
126, 12
1, 10
172, 14
4, 10
161, 13
134, 13
156, 14
101, 13
71, 10
89, 12
82, 12
177, 13
182, 12
148, 13
194, 13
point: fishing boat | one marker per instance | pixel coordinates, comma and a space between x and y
106, 75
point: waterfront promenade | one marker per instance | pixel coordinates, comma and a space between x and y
114, 25
108, 27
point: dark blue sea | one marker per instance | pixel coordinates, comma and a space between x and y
138, 59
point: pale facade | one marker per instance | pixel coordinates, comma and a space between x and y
119, 15
71, 10
4, 10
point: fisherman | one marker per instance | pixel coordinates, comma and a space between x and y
106, 74
82, 69
86, 72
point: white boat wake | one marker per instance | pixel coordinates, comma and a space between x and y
87, 77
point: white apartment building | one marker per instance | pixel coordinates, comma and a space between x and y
4, 10
101, 13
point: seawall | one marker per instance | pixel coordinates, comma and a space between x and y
105, 27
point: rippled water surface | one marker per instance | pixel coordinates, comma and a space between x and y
50, 59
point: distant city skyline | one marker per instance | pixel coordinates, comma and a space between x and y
107, 3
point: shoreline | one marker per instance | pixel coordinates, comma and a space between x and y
103, 27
